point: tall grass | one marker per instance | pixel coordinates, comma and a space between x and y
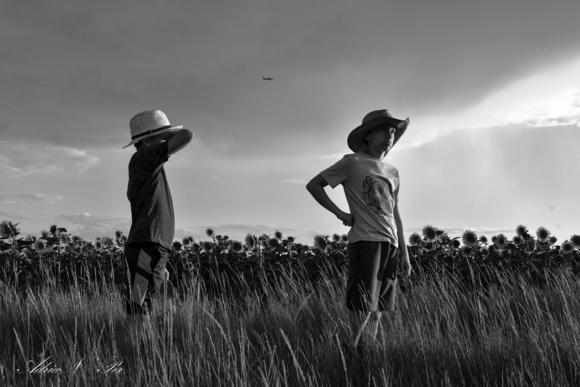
442, 334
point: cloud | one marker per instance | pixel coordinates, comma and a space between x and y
90, 227
37, 198
295, 181
9, 215
24, 159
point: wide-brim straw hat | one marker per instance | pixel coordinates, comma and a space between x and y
356, 141
149, 123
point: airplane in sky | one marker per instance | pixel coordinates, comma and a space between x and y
267, 78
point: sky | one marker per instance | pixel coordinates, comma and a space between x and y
492, 90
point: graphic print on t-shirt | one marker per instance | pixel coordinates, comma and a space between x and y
377, 195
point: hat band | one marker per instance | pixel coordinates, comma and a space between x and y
149, 132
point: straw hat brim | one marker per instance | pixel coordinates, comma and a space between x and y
153, 134
356, 141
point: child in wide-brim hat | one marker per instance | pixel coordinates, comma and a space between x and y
377, 248
150, 239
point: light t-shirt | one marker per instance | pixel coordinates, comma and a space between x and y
371, 187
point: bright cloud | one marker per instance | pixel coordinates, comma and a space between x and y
25, 159
40, 198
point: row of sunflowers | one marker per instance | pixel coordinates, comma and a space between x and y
58, 257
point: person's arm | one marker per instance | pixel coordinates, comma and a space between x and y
177, 140
316, 189
405, 263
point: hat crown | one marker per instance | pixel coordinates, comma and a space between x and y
377, 114
148, 120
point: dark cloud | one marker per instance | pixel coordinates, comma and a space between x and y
75, 74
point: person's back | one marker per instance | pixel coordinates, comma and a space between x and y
150, 239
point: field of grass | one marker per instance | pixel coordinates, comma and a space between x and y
443, 333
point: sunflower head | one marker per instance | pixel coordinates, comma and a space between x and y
118, 234
278, 234
53, 229
344, 238
185, 241
336, 237
484, 252
320, 243
273, 243
429, 233
290, 239
542, 233
414, 239
195, 247
177, 246
518, 240
483, 239
505, 253
466, 250
575, 239
209, 232
469, 238
553, 240
207, 246
521, 230
250, 241
236, 247
455, 243
501, 241
39, 245
98, 244
567, 247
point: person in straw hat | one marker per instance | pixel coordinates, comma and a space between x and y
376, 242
150, 239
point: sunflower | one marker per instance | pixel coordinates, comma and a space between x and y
429, 233
521, 230
39, 246
567, 247
236, 247
484, 252
469, 238
575, 239
553, 240
542, 234
541, 245
98, 244
336, 237
494, 239
53, 229
344, 238
278, 234
207, 246
250, 241
195, 247
118, 234
320, 243
466, 250
273, 243
483, 239
501, 241
505, 253
414, 239
177, 246
209, 232
518, 240
290, 239
185, 241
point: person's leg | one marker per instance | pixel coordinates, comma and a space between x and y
357, 322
